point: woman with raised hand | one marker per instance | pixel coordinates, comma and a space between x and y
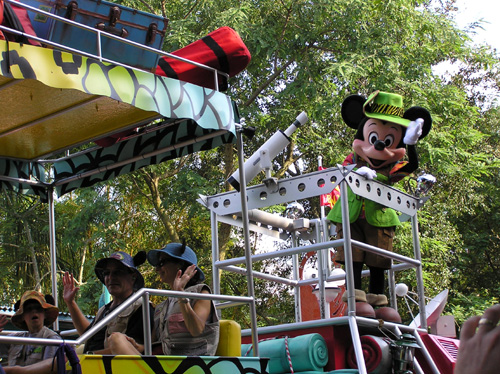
119, 274
182, 326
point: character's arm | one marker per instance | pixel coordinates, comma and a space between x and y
409, 166
366, 172
47, 366
413, 133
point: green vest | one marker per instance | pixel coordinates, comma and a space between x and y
376, 214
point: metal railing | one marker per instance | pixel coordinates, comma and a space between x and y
305, 186
225, 301
99, 35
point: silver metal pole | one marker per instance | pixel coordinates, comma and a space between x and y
325, 255
216, 271
426, 353
246, 235
420, 280
148, 350
321, 207
215, 253
99, 47
356, 342
295, 274
392, 287
321, 276
53, 255
346, 228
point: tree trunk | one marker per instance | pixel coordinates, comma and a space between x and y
34, 262
152, 183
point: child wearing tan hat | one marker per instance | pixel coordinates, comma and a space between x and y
34, 315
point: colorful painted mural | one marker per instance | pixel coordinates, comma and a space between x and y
97, 364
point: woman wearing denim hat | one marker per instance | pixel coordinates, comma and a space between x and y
119, 274
183, 326
33, 315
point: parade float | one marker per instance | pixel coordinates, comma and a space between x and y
81, 108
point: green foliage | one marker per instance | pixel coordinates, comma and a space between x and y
464, 306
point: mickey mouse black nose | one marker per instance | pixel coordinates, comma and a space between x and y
379, 145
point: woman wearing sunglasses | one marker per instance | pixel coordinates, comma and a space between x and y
182, 326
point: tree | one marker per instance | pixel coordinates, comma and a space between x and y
24, 245
311, 55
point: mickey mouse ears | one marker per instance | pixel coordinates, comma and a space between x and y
385, 107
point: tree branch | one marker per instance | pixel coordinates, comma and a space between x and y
264, 85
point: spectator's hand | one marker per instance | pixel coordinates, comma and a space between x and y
139, 347
181, 279
3, 321
69, 291
479, 350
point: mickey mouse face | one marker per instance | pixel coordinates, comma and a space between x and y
379, 144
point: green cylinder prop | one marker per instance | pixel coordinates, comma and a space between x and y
307, 353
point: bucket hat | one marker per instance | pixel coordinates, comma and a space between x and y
177, 251
126, 260
384, 106
51, 311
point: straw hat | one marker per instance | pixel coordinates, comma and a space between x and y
51, 311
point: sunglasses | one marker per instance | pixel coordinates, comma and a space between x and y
162, 261
116, 273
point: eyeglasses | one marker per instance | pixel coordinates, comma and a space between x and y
116, 273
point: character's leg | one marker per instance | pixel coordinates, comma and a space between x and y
358, 268
381, 237
376, 285
376, 296
359, 294
357, 259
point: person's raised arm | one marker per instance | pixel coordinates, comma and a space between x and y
79, 321
194, 317
479, 350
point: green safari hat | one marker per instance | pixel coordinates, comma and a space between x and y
385, 107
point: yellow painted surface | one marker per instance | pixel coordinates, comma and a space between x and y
97, 364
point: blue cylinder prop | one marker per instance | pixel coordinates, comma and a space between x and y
307, 353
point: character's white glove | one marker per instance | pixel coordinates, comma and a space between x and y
366, 172
413, 131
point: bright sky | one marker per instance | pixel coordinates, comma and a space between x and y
489, 10
470, 11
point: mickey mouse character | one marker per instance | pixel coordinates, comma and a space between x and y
385, 132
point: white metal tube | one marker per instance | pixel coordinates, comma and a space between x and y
420, 280
147, 323
246, 235
52, 243
346, 228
